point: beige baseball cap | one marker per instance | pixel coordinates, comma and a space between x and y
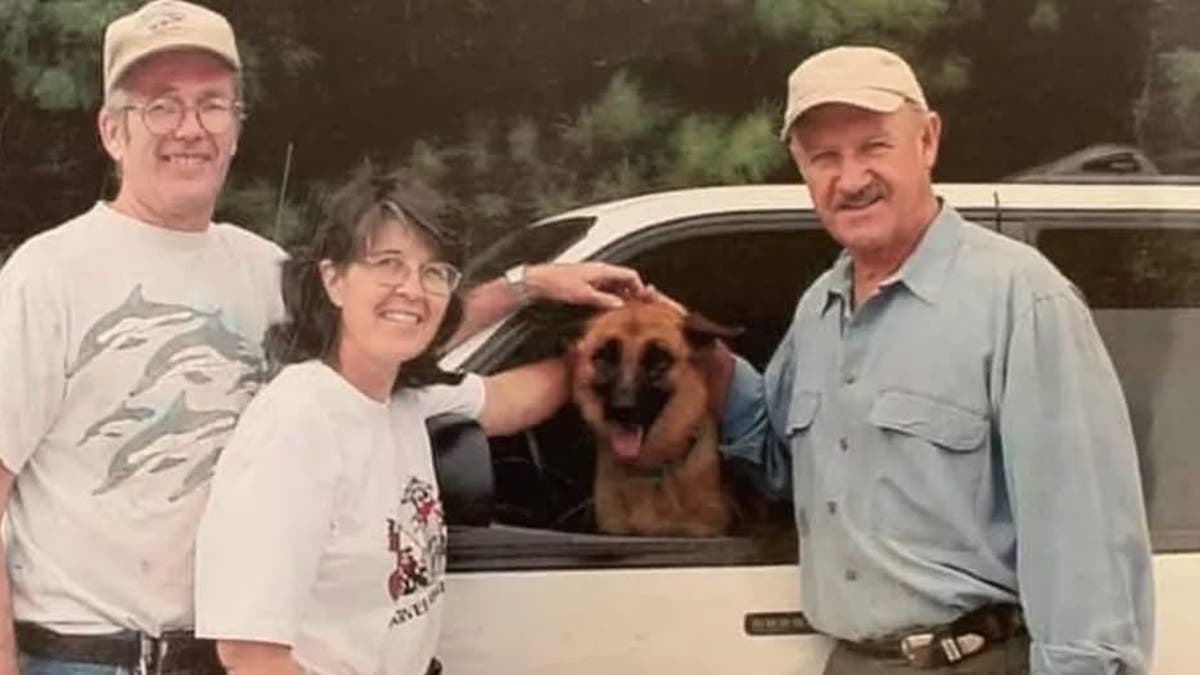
162, 25
866, 77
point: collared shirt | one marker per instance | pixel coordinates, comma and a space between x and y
961, 438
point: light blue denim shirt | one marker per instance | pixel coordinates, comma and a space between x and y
959, 439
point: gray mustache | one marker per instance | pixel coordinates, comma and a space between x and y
863, 197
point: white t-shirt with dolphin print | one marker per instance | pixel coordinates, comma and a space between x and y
128, 352
325, 530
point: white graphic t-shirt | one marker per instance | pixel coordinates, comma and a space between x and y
128, 352
324, 530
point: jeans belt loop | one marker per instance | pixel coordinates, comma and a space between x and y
145, 654
162, 646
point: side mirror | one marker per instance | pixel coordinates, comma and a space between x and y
462, 461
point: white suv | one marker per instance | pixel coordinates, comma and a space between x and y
534, 590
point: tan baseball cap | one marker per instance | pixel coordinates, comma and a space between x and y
866, 77
162, 25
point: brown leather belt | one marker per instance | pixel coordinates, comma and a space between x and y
173, 650
950, 643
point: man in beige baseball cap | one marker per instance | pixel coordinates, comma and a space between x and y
965, 475
108, 429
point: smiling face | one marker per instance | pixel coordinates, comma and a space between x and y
171, 179
384, 322
869, 173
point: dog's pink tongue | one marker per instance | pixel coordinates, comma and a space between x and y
626, 443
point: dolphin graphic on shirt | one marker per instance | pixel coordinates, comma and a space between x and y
107, 425
208, 342
169, 426
179, 420
117, 329
199, 475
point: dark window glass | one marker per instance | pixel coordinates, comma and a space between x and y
752, 280
1128, 267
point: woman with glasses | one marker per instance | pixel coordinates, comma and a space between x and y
323, 548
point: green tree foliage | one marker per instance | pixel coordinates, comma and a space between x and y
1168, 113
520, 108
1181, 68
50, 49
824, 23
623, 143
254, 203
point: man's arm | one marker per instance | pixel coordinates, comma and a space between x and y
8, 641
589, 283
753, 414
1083, 551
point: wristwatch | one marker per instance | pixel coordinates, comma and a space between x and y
515, 277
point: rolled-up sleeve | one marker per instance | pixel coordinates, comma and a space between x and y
1083, 552
755, 416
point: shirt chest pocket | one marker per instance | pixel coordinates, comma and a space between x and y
948, 426
801, 411
927, 474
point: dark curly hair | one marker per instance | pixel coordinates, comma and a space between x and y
351, 216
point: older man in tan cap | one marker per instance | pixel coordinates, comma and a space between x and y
943, 414
131, 344
132, 341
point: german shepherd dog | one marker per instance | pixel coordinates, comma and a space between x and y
638, 385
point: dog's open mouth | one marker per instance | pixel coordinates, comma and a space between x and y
626, 441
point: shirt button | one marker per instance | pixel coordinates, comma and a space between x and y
851, 575
843, 444
849, 378
832, 507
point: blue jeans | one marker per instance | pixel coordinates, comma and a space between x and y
30, 665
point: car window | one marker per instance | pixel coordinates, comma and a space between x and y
1140, 273
1129, 267
529, 245
746, 279
744, 269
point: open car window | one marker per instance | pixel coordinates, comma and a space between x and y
744, 270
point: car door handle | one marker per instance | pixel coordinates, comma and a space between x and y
777, 623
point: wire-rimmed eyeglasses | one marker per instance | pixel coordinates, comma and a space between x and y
165, 115
437, 278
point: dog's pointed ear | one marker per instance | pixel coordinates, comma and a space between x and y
565, 322
701, 331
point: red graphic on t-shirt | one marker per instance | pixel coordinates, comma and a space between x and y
417, 537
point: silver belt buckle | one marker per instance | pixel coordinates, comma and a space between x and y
918, 649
